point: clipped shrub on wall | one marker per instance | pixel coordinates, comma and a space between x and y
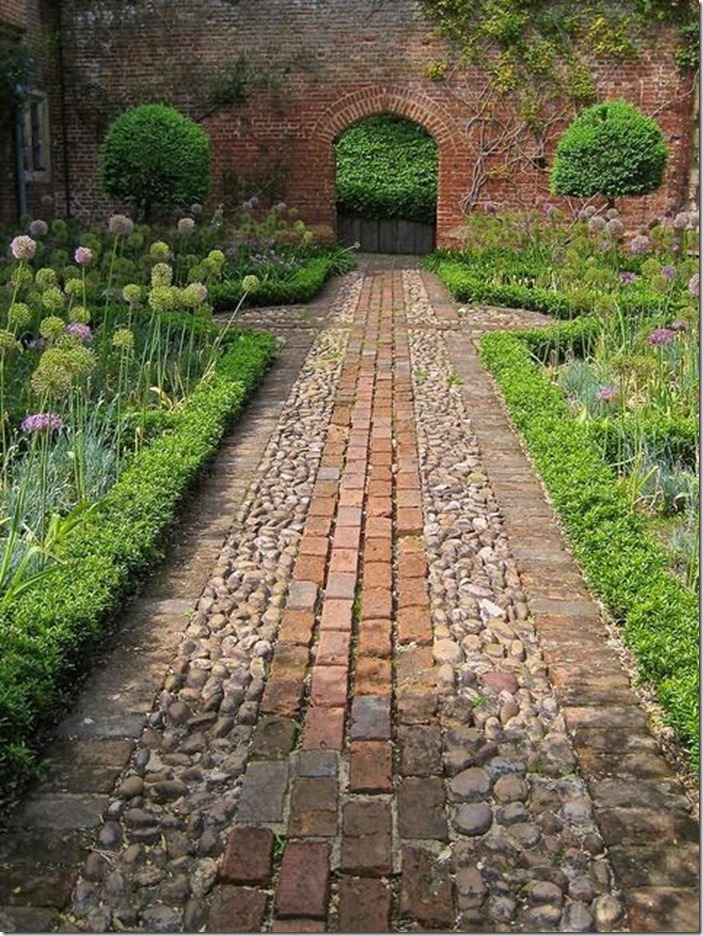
610, 149
387, 168
154, 156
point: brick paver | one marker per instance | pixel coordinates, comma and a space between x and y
360, 758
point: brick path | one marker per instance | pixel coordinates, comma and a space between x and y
344, 818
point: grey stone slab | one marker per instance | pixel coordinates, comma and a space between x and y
371, 718
263, 792
60, 811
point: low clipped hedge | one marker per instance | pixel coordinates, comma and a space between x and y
471, 286
45, 634
622, 562
302, 286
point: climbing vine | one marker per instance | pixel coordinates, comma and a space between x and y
522, 66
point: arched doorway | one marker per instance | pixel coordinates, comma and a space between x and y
386, 185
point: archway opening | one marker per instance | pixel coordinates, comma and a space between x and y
386, 185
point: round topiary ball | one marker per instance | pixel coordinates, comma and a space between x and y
152, 156
610, 149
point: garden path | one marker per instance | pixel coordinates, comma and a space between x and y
387, 703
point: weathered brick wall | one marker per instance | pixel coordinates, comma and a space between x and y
328, 63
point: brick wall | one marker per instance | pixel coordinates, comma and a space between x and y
327, 63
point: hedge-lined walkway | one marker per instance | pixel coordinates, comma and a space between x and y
393, 706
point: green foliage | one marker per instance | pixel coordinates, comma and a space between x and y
15, 71
153, 155
387, 168
45, 642
623, 565
610, 149
301, 286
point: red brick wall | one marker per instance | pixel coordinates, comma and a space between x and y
334, 62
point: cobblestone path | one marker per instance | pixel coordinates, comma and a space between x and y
392, 707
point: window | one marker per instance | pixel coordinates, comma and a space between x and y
36, 139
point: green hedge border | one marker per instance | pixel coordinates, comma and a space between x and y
304, 285
623, 564
45, 635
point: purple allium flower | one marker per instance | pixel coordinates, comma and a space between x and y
693, 285
661, 337
80, 331
120, 224
83, 256
668, 272
639, 244
596, 224
41, 422
605, 394
280, 207
605, 245
36, 344
615, 227
589, 210
23, 247
612, 213
250, 203
628, 277
38, 228
679, 325
490, 207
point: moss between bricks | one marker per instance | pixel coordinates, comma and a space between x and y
45, 635
622, 563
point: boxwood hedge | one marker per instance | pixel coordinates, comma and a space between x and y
622, 562
45, 634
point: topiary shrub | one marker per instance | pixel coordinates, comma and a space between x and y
610, 149
152, 156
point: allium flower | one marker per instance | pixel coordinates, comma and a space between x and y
581, 215
596, 224
52, 377
83, 256
42, 422
681, 221
280, 207
693, 220
45, 278
123, 339
19, 316
160, 251
606, 394
196, 209
23, 247
22, 276
79, 314
668, 272
251, 284
79, 360
605, 245
132, 293
679, 325
38, 228
8, 342
661, 337
73, 288
216, 257
615, 227
161, 274
186, 226
120, 224
194, 294
627, 278
589, 210
250, 204
639, 244
51, 327
163, 298
693, 285
612, 213
80, 331
53, 299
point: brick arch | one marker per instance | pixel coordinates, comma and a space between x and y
403, 101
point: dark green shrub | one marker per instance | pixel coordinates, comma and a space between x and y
387, 168
152, 156
610, 149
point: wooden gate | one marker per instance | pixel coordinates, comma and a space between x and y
388, 235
